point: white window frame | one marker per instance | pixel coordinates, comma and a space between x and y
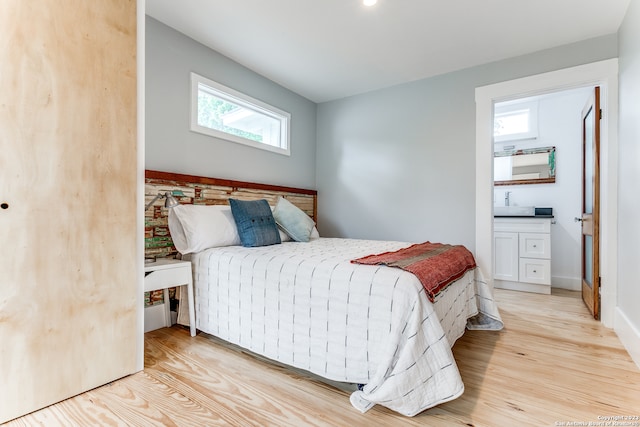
245, 101
506, 108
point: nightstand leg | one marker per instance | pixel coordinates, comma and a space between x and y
167, 308
192, 310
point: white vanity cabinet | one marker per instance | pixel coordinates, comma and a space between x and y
522, 254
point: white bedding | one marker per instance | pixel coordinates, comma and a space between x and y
306, 305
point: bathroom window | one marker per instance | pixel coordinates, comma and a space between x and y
515, 121
221, 112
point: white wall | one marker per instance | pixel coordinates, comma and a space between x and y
559, 125
172, 147
627, 323
399, 163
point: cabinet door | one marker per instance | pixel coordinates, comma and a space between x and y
68, 182
506, 256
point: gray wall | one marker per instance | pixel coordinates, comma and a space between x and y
629, 167
172, 147
399, 163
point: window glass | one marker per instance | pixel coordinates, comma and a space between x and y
512, 122
224, 113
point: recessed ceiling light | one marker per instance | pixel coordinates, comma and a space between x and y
369, 2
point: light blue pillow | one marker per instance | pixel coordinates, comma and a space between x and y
255, 222
293, 220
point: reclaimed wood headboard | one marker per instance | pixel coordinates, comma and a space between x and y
207, 191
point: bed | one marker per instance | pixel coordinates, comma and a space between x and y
306, 304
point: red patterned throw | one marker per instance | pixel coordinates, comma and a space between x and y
436, 265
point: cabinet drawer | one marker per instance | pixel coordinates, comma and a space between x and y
165, 278
535, 245
525, 225
534, 270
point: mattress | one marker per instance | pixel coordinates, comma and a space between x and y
306, 305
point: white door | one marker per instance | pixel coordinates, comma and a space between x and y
67, 199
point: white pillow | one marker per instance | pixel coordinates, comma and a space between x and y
195, 228
284, 237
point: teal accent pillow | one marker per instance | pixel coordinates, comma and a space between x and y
255, 222
293, 220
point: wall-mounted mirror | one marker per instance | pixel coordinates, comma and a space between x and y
527, 166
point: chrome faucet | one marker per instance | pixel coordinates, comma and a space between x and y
506, 198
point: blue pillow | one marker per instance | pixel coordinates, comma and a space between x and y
293, 220
256, 226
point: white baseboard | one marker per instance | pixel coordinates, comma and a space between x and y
521, 286
629, 335
570, 283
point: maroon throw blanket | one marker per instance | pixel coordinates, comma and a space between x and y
436, 265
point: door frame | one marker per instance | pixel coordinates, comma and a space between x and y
603, 74
140, 75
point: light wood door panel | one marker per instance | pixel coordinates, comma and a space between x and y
590, 218
68, 179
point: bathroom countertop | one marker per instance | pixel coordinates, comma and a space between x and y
523, 216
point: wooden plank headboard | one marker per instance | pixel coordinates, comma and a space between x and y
207, 191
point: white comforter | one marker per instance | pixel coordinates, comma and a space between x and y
306, 305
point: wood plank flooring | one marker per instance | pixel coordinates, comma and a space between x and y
552, 364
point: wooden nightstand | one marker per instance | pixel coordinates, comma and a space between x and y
169, 273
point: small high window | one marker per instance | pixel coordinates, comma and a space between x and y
222, 112
515, 121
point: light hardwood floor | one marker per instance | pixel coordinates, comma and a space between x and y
552, 364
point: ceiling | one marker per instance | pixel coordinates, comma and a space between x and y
330, 49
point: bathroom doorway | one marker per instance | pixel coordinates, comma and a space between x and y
538, 163
603, 74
